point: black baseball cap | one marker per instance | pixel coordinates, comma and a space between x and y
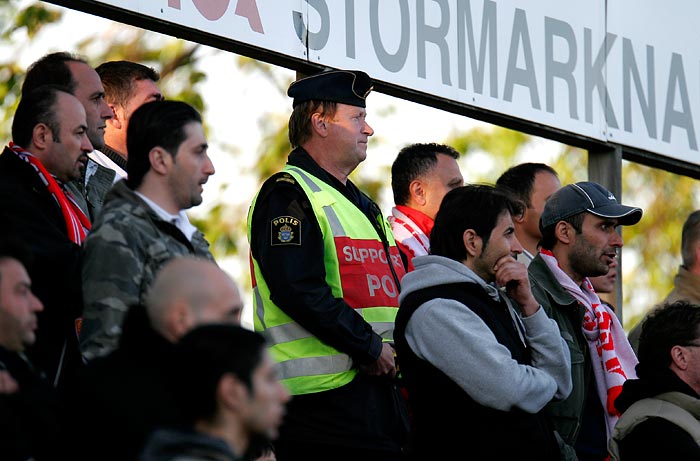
573, 199
344, 86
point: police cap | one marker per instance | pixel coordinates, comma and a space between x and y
344, 86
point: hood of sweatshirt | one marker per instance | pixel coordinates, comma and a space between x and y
432, 270
651, 382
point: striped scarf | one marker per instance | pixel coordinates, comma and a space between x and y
612, 356
77, 224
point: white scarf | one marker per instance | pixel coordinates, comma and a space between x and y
611, 354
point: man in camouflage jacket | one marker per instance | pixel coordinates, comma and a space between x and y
143, 223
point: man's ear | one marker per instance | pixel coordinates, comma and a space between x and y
319, 125
564, 232
231, 391
472, 242
160, 160
41, 136
178, 320
679, 357
116, 120
417, 192
520, 218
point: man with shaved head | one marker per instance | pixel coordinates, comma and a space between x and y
128, 393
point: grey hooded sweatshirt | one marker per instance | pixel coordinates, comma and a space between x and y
488, 373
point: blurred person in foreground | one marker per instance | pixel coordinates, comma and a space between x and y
661, 409
230, 394
30, 409
125, 395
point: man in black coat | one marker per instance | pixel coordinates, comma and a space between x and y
661, 410
50, 149
30, 410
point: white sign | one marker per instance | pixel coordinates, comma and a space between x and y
628, 74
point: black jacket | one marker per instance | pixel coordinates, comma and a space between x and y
366, 413
35, 218
122, 397
30, 419
655, 438
484, 433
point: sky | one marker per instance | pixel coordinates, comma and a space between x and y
235, 103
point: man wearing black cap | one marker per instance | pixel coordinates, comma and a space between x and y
326, 276
580, 240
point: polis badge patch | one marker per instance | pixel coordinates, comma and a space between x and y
285, 230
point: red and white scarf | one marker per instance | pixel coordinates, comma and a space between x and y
77, 223
411, 230
612, 356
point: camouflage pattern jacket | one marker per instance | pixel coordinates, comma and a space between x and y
127, 245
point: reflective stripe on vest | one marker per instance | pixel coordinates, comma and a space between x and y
356, 270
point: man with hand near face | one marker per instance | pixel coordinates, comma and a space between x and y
473, 341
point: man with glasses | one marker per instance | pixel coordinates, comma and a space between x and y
661, 410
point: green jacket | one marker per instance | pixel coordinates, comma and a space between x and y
560, 305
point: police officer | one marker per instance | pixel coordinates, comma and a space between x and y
326, 274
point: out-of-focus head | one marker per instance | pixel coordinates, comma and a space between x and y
670, 338
229, 378
188, 292
605, 283
690, 242
18, 304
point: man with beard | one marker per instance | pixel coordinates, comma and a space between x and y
473, 340
50, 149
580, 240
143, 223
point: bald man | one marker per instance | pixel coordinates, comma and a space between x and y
128, 393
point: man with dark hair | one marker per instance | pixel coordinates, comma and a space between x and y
143, 223
30, 409
473, 340
127, 85
50, 149
660, 410
230, 394
326, 275
686, 283
82, 81
580, 239
533, 184
421, 175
